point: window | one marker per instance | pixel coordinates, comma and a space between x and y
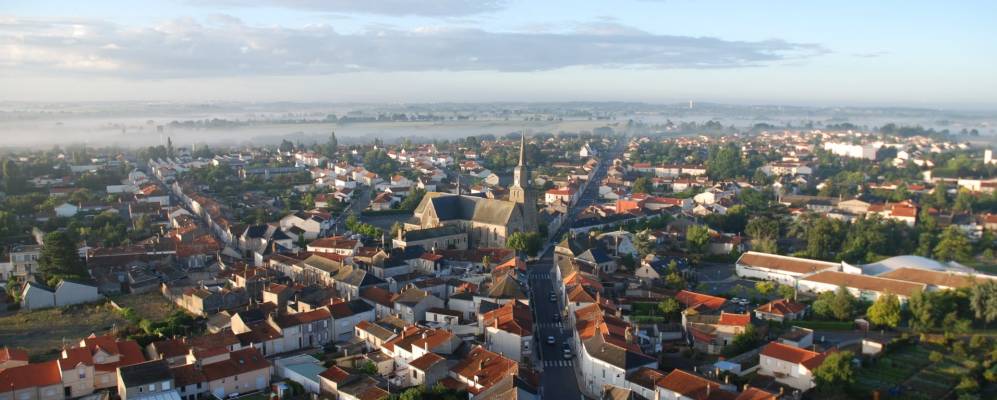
152, 387
165, 385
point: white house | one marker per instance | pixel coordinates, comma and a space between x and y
791, 366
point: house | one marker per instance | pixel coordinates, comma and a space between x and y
145, 380
565, 195
36, 296
411, 304
347, 315
780, 310
240, 371
508, 330
783, 269
598, 258
789, 365
606, 359
428, 370
481, 369
336, 244
681, 385
39, 381
381, 299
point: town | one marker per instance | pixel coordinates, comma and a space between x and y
770, 263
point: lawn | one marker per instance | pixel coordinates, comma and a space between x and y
43, 332
909, 369
151, 305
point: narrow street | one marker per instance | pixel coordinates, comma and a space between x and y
558, 379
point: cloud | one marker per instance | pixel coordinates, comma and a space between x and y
225, 46
429, 8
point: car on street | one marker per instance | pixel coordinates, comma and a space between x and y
557, 317
551, 340
553, 299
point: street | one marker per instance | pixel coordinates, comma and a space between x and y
557, 380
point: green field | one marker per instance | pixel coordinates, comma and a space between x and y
43, 332
910, 369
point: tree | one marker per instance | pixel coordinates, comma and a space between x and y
922, 313
843, 305
724, 162
885, 311
641, 185
765, 288
642, 242
412, 200
953, 246
669, 306
697, 237
332, 146
528, 243
835, 371
787, 292
60, 258
983, 301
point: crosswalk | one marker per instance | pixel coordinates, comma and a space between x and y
540, 275
558, 363
557, 325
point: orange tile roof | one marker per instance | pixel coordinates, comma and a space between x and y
335, 374
426, 361
30, 375
694, 386
794, 355
11, 354
693, 299
239, 362
752, 393
781, 307
73, 357
513, 317
734, 319
484, 367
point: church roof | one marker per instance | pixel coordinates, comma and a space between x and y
452, 207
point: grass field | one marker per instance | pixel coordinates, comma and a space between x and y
910, 369
151, 306
42, 332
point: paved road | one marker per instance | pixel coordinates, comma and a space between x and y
558, 379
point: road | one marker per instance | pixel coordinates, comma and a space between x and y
559, 379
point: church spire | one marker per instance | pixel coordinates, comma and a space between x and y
522, 150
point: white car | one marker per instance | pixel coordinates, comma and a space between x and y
551, 340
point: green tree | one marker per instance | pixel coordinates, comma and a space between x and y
787, 292
669, 306
724, 162
642, 185
747, 340
835, 372
983, 301
697, 237
843, 306
885, 311
523, 242
922, 312
953, 246
331, 147
765, 288
412, 200
60, 258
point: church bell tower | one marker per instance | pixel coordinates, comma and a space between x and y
522, 190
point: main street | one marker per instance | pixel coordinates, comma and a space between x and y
559, 378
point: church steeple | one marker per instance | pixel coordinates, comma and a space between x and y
522, 192
522, 150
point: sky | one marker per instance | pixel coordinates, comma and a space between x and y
842, 53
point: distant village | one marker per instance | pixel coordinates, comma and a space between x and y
789, 264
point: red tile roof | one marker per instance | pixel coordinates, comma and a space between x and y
485, 368
335, 374
781, 307
9, 354
734, 319
794, 355
239, 362
694, 386
693, 299
426, 361
31, 375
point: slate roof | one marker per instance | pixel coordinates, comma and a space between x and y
145, 373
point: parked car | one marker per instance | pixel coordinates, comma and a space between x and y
551, 340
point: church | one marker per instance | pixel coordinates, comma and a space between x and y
487, 222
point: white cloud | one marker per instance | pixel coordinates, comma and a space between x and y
225, 46
429, 8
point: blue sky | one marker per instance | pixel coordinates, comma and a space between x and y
909, 53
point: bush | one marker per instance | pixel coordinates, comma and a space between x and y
935, 357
